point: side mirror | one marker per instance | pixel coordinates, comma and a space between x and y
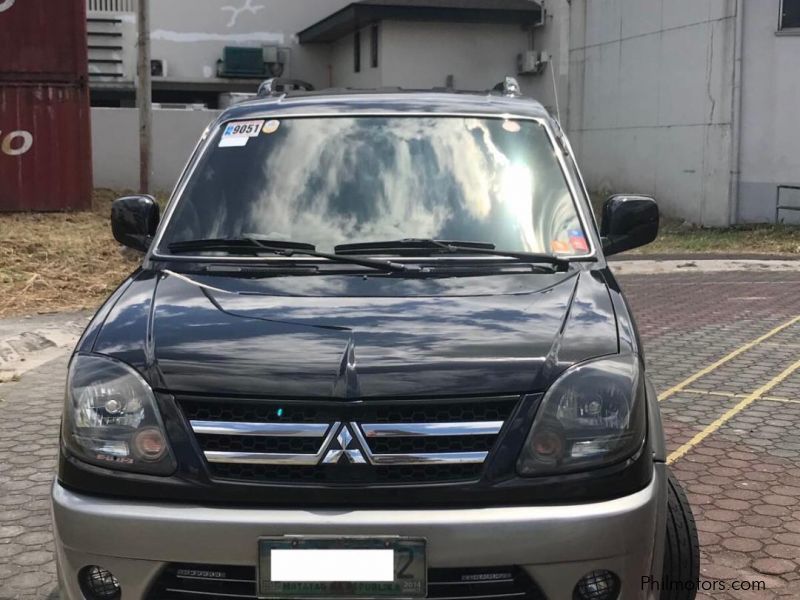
134, 220
628, 222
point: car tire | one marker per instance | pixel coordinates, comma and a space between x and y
681, 570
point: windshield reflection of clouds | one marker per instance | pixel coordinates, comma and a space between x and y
329, 181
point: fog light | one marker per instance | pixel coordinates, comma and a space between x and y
597, 585
98, 583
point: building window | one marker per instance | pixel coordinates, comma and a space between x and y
374, 43
357, 52
790, 14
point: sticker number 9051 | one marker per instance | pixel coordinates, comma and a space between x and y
237, 134
250, 128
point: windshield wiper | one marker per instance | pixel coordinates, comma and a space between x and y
252, 244
451, 247
242, 245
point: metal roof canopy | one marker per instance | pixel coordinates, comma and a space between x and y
359, 14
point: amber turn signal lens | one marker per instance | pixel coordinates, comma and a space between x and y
548, 444
149, 444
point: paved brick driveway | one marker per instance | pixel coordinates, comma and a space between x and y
723, 350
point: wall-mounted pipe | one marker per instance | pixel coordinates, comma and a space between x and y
736, 116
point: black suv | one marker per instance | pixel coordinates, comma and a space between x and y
374, 350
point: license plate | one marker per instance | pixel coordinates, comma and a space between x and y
350, 567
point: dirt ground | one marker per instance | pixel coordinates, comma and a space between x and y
59, 261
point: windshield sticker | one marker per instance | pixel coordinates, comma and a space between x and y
560, 247
511, 126
237, 134
577, 240
271, 126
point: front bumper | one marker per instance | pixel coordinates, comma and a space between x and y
555, 544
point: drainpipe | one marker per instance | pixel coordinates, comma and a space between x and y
736, 116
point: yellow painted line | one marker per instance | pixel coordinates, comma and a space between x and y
732, 395
713, 393
706, 370
732, 412
787, 400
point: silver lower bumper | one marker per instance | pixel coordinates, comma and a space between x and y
555, 544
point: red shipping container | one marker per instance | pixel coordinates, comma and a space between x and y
43, 40
45, 147
45, 143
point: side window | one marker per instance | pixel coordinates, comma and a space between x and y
790, 14
374, 42
357, 52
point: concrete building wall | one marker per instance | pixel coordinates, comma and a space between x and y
770, 142
194, 32
422, 55
191, 34
341, 60
115, 145
650, 104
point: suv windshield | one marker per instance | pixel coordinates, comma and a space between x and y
340, 180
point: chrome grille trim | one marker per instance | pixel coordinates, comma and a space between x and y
263, 429
375, 430
428, 440
429, 458
269, 458
260, 458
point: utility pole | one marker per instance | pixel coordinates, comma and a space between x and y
144, 94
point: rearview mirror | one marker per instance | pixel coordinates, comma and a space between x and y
134, 220
628, 222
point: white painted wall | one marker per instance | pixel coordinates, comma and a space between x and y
115, 145
342, 73
650, 100
770, 145
421, 55
191, 34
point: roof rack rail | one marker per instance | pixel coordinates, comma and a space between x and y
509, 87
280, 85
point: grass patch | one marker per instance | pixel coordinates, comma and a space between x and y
677, 237
751, 239
60, 261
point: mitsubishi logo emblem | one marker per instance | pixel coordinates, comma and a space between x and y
344, 446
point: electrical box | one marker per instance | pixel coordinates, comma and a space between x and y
532, 62
271, 54
158, 68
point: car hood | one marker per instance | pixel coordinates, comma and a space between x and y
348, 337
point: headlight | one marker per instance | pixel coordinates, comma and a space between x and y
592, 416
111, 418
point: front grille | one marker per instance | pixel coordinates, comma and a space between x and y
199, 582
347, 442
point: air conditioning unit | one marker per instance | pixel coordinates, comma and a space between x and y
532, 62
158, 68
